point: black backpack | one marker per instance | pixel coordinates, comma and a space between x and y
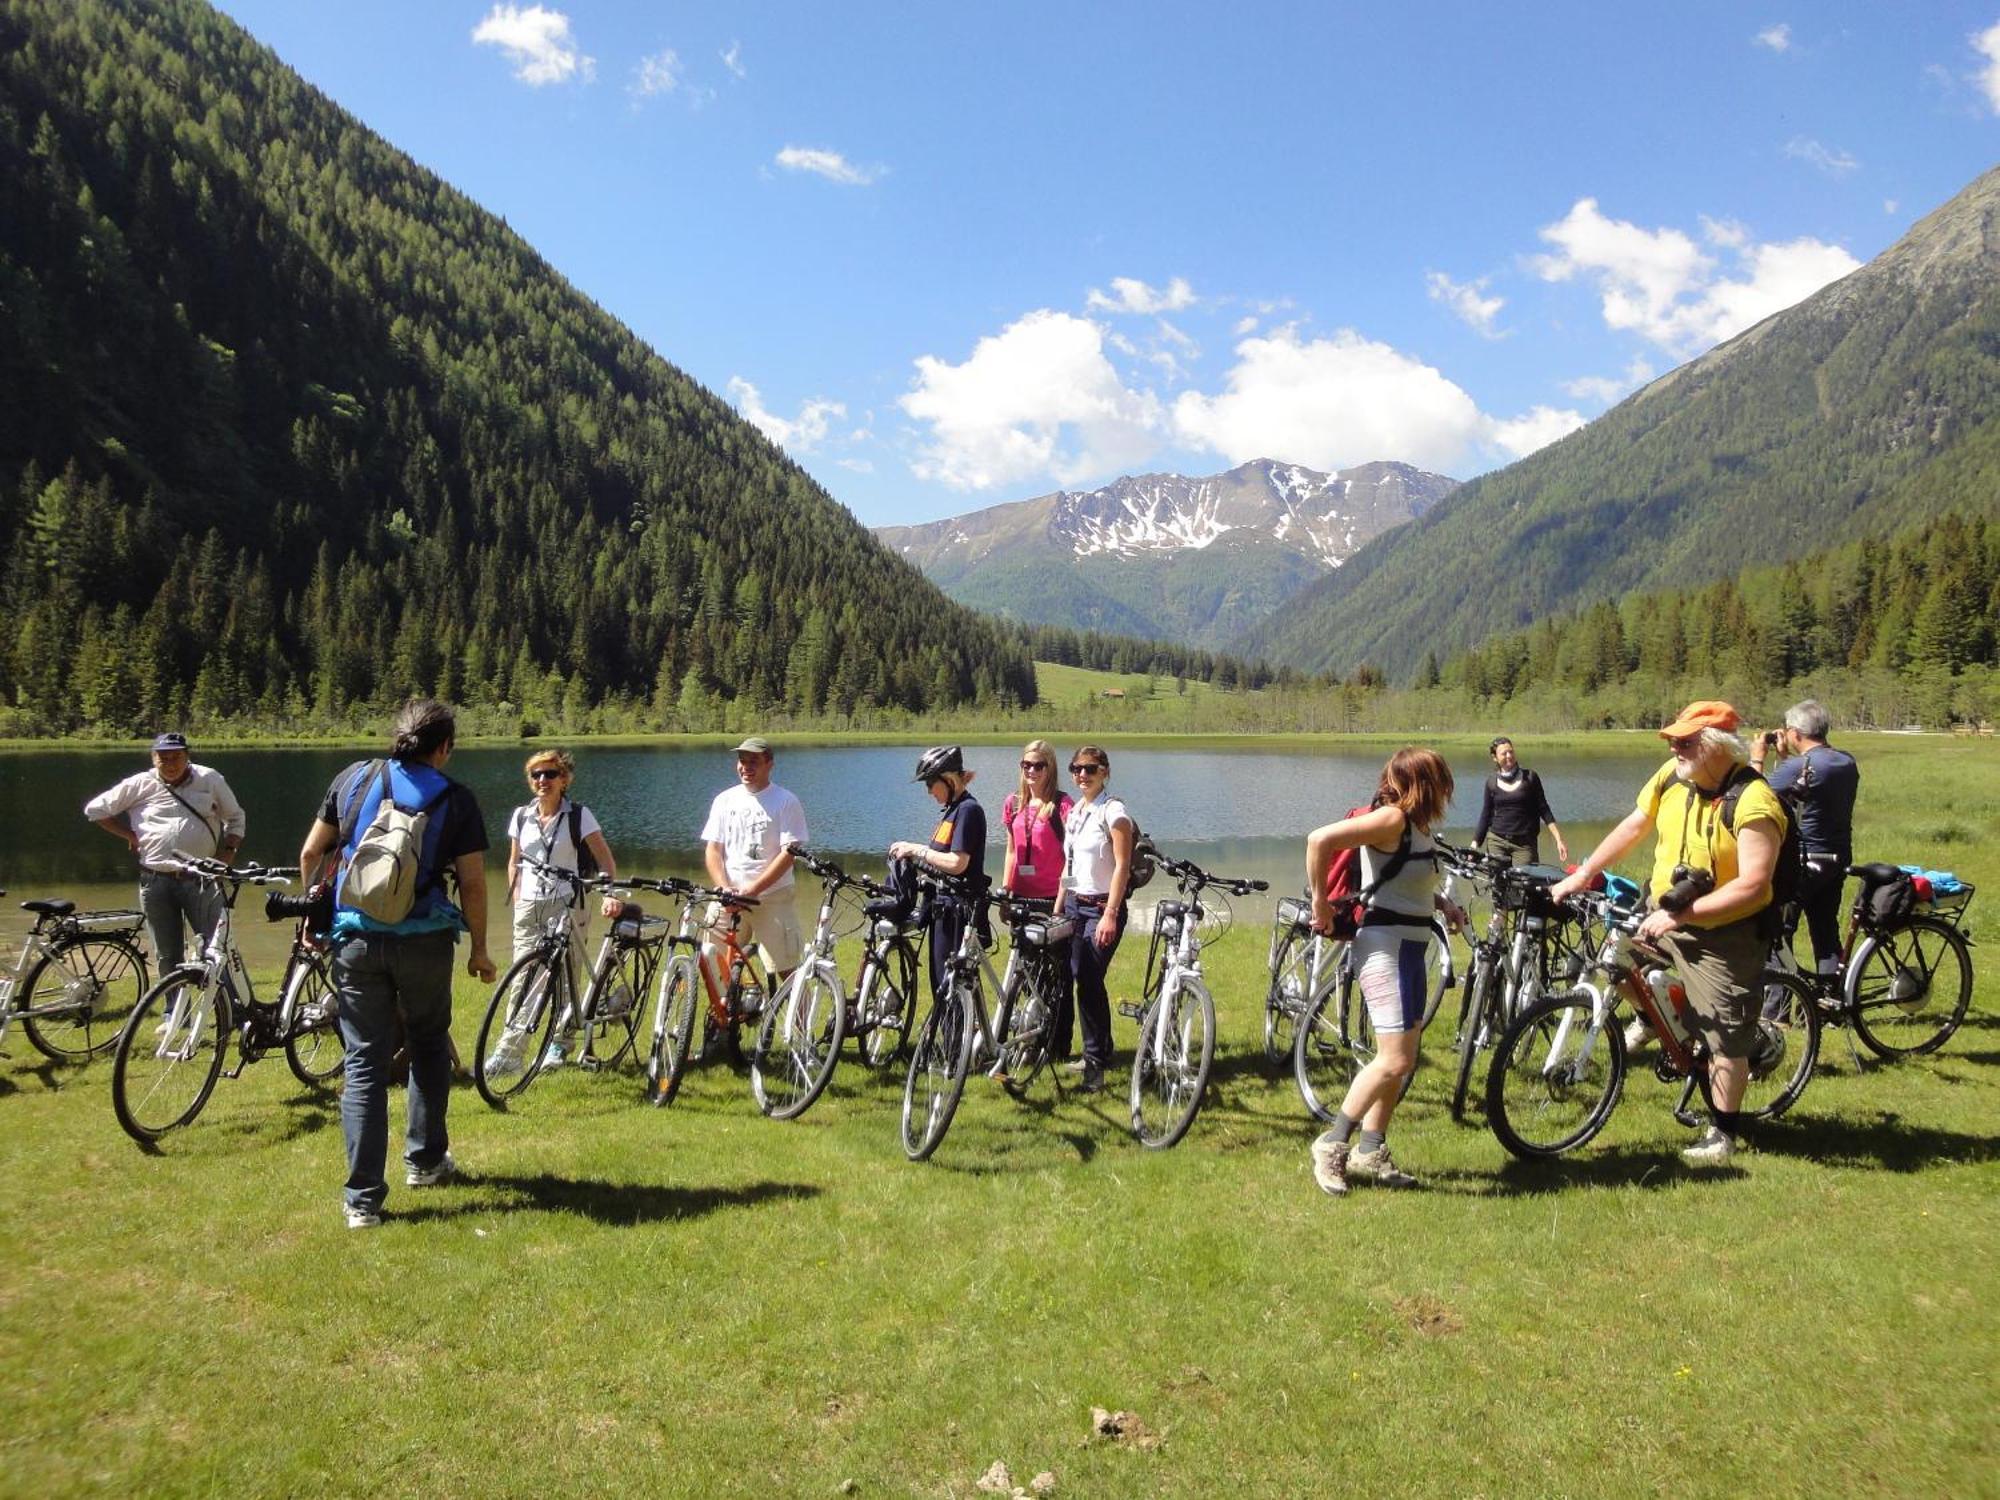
1788, 874
586, 862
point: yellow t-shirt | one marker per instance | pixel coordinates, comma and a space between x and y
1691, 832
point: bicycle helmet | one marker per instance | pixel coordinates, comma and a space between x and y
937, 761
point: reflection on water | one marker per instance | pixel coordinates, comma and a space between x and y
1241, 812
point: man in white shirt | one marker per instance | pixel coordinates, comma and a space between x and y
177, 810
747, 833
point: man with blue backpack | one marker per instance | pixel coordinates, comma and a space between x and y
395, 829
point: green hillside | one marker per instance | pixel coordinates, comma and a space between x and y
1872, 406
291, 428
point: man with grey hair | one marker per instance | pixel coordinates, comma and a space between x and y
1821, 784
1716, 938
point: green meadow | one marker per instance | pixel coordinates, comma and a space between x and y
700, 1301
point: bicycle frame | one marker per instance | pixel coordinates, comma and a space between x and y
46, 939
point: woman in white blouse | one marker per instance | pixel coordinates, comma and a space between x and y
1097, 871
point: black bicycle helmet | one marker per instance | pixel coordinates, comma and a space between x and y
937, 761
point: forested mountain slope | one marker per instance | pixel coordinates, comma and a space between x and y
287, 425
1869, 407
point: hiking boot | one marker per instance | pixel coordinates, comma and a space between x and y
1381, 1167
437, 1176
1713, 1148
360, 1216
1093, 1079
1638, 1036
1329, 1158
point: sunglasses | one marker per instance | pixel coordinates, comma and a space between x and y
545, 775
1084, 768
1034, 765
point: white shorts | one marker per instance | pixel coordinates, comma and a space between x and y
1392, 965
773, 925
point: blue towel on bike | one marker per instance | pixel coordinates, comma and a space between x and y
1943, 882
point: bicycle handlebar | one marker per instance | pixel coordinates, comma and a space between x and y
1193, 875
828, 871
215, 869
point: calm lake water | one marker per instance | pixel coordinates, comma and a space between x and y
1240, 812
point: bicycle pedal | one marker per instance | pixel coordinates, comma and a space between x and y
590, 1064
1130, 1011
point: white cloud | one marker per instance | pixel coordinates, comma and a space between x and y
814, 421
1244, 325
1130, 295
1337, 401
658, 74
1987, 44
1037, 400
1777, 37
732, 59
828, 164
537, 41
1609, 388
1833, 162
1660, 284
856, 465
1463, 298
1890, 205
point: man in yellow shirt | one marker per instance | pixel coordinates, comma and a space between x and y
1716, 938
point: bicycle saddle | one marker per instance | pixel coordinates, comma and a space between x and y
1874, 874
55, 906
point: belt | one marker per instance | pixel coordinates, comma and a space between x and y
1082, 900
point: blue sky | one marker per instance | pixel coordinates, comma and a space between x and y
952, 255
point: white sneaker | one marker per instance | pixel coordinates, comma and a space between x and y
553, 1058
363, 1218
437, 1176
1711, 1149
1638, 1036
505, 1058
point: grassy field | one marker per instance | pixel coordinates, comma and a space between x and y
699, 1301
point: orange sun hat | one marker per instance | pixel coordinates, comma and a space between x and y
1704, 713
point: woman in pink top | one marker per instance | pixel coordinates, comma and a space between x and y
1033, 816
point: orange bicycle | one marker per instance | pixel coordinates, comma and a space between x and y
736, 982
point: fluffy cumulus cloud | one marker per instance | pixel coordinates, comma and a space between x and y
1663, 285
1778, 37
798, 435
1833, 162
1467, 304
1609, 388
1344, 399
1038, 400
1130, 295
537, 42
1987, 44
828, 164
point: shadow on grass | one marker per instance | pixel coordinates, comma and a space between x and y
1886, 1140
1617, 1166
53, 1076
614, 1203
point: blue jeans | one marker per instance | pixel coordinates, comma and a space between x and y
376, 978
1088, 964
173, 903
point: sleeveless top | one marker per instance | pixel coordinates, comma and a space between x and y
1412, 891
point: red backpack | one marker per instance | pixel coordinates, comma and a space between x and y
1344, 891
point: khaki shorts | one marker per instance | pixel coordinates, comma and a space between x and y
531, 917
1723, 969
773, 925
1515, 854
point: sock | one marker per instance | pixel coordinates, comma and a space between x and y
1729, 1123
1372, 1140
1343, 1128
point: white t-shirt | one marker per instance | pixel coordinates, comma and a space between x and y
753, 829
1092, 860
552, 847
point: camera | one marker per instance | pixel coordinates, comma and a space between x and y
1687, 886
314, 908
1771, 739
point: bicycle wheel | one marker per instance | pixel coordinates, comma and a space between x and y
315, 1051
1170, 1065
96, 981
1285, 996
886, 1002
169, 1055
514, 1036
1024, 1051
1444, 974
673, 1029
747, 997
798, 1045
1476, 1016
1321, 1062
1555, 1076
1787, 1047
938, 1065
1907, 989
1357, 1034
617, 989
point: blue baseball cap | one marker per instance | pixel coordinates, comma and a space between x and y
173, 739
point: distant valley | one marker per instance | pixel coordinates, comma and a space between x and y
1199, 560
